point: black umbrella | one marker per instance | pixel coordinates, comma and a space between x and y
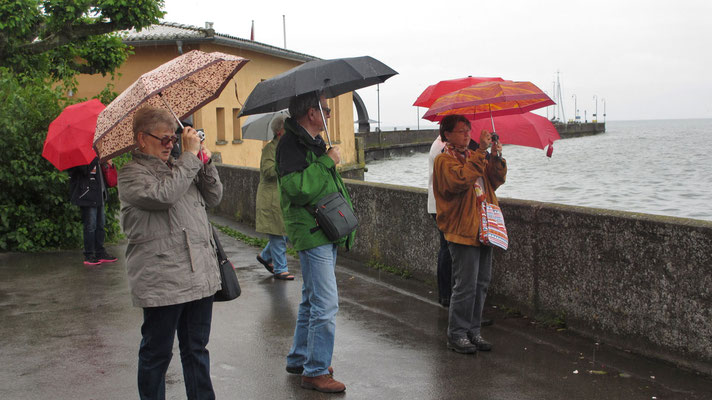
330, 77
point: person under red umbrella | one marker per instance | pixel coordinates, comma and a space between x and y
88, 189
68, 146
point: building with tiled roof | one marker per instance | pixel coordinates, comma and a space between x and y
169, 32
162, 42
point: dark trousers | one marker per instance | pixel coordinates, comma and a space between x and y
444, 270
472, 273
93, 219
192, 322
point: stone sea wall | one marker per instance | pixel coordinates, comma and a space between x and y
637, 281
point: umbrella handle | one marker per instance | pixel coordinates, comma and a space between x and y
160, 94
323, 120
495, 140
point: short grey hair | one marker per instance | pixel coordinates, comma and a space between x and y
148, 119
277, 123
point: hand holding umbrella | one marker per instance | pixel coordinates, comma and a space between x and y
487, 140
335, 154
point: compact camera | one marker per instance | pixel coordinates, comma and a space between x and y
201, 134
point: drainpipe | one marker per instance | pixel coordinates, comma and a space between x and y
179, 44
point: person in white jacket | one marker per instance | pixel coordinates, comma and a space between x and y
444, 270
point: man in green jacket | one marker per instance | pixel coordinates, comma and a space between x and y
307, 172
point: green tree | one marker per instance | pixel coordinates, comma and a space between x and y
44, 45
60, 38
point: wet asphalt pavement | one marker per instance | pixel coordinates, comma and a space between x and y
70, 332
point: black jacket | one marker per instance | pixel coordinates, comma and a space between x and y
86, 185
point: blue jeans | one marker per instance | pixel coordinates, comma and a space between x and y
93, 219
313, 343
276, 253
192, 321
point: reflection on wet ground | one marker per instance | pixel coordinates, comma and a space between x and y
70, 332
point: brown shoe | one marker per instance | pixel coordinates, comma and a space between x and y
323, 383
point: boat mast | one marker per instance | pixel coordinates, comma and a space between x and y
560, 99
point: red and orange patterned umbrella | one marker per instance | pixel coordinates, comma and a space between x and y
489, 99
434, 92
183, 85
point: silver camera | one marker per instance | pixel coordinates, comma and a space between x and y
201, 134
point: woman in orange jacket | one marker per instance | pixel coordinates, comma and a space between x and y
460, 177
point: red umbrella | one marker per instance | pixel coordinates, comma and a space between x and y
433, 92
489, 99
70, 135
526, 129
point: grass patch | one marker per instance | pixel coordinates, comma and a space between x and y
558, 322
403, 273
510, 312
252, 241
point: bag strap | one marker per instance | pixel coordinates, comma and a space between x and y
221, 253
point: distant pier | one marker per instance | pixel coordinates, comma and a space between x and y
388, 144
571, 130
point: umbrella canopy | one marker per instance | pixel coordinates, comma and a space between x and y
489, 99
183, 85
331, 77
434, 92
259, 126
525, 129
70, 135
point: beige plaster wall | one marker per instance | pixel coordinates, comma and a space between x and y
217, 118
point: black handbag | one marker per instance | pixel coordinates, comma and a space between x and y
334, 216
230, 286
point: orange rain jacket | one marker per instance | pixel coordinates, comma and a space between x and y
458, 216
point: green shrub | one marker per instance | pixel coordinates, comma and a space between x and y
35, 212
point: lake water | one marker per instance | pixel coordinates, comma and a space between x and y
659, 167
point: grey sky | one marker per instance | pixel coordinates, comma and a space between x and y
647, 59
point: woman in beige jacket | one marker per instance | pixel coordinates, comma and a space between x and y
170, 258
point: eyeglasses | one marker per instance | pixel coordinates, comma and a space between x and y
166, 139
327, 110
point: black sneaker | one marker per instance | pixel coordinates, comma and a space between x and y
461, 345
106, 258
91, 261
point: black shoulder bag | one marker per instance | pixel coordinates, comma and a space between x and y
334, 216
230, 286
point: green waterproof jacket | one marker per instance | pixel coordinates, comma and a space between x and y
268, 212
305, 175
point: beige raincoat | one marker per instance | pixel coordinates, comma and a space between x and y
170, 258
